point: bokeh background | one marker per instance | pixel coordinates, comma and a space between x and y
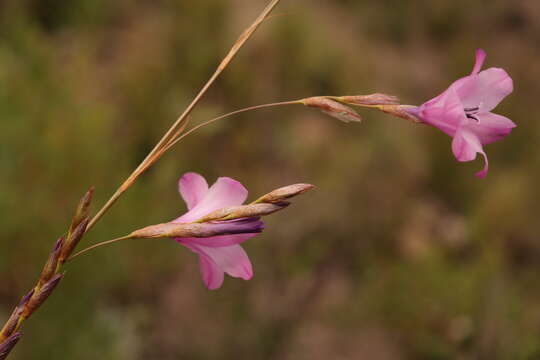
400, 253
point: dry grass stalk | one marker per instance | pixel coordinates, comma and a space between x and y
177, 128
81, 223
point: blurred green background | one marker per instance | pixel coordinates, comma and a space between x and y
400, 253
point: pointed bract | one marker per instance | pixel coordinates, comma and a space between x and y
8, 345
333, 108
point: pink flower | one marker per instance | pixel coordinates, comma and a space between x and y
463, 111
218, 254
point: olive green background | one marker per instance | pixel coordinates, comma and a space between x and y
400, 252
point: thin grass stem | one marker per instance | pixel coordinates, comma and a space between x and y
182, 121
208, 122
98, 245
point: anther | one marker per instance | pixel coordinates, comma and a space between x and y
470, 116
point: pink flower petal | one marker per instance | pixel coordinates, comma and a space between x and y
480, 58
193, 188
491, 127
212, 275
445, 112
231, 259
465, 146
218, 241
485, 90
482, 173
224, 193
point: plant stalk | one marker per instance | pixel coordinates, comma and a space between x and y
183, 119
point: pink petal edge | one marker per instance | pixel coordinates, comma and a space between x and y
223, 193
218, 241
211, 274
215, 261
193, 188
465, 146
479, 62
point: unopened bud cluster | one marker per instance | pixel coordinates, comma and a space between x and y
49, 278
371, 99
333, 108
336, 106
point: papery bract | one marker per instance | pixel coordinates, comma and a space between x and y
463, 111
217, 254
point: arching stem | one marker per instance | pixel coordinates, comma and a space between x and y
99, 245
208, 122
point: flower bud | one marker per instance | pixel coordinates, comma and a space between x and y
244, 211
286, 192
372, 99
13, 320
333, 108
77, 227
40, 295
50, 266
399, 111
8, 345
82, 209
199, 230
73, 239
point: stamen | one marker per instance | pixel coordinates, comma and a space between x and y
472, 109
470, 116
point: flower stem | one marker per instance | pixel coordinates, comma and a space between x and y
208, 122
98, 245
